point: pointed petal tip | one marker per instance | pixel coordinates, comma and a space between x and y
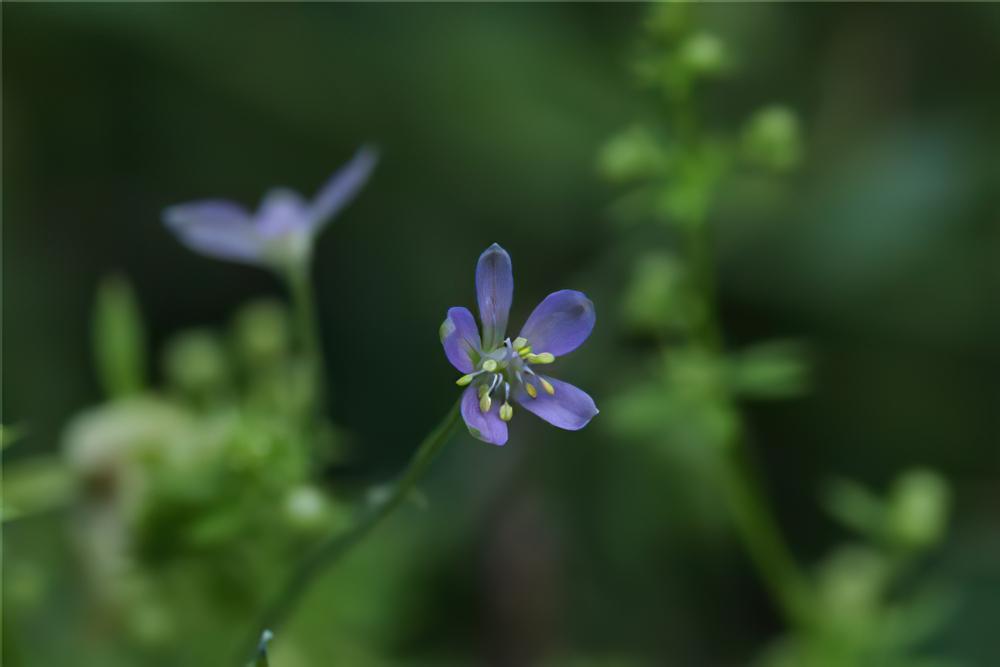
368, 153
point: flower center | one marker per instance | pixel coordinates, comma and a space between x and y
508, 368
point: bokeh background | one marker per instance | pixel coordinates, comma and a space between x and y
881, 252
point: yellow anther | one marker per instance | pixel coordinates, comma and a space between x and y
464, 380
530, 388
543, 358
485, 403
483, 390
547, 386
490, 365
520, 342
524, 351
506, 412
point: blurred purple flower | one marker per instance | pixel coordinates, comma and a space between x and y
497, 369
282, 230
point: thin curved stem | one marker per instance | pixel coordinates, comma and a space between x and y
334, 547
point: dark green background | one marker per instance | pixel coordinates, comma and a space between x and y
882, 252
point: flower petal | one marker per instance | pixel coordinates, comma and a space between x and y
495, 291
216, 228
460, 337
560, 323
282, 212
569, 407
486, 426
342, 187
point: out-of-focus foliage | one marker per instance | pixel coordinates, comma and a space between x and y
199, 496
844, 614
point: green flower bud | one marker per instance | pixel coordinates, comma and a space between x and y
704, 54
195, 363
772, 139
261, 331
918, 508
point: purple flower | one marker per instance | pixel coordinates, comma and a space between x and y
498, 370
281, 232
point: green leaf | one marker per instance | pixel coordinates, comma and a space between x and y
33, 486
119, 339
857, 508
772, 370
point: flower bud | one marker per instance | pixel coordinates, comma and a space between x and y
918, 508
704, 54
772, 139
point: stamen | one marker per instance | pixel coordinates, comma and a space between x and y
543, 358
524, 351
547, 386
485, 402
519, 342
530, 388
490, 365
506, 412
465, 380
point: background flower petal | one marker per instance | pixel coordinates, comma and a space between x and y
217, 228
486, 426
460, 338
495, 291
560, 323
281, 212
570, 408
343, 186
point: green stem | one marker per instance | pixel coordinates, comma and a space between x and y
754, 520
337, 545
307, 329
762, 538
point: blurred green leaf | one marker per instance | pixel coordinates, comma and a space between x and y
33, 486
771, 370
9, 435
119, 338
658, 299
856, 508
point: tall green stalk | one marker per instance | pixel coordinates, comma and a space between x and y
338, 544
748, 508
307, 329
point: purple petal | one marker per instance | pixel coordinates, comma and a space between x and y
487, 426
560, 323
282, 212
342, 187
217, 228
460, 337
495, 291
569, 407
